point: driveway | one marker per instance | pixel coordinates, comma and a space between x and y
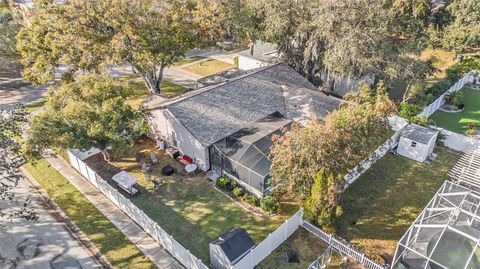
42, 245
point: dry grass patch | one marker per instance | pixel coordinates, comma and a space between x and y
208, 67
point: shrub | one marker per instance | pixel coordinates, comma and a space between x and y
408, 110
422, 121
235, 61
270, 204
250, 199
238, 192
223, 182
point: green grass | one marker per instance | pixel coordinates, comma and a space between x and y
308, 246
458, 122
140, 91
192, 211
381, 205
118, 250
188, 60
208, 67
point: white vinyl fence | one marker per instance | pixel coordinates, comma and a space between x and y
429, 110
456, 141
182, 254
260, 252
397, 124
342, 247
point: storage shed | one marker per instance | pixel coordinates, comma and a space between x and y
230, 247
417, 142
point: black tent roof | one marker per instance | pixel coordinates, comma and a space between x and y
234, 243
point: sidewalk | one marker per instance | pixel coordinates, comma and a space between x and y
142, 240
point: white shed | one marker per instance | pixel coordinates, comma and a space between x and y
417, 142
230, 247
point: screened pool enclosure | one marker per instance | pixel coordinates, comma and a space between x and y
446, 234
244, 155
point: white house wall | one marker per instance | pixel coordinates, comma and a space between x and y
164, 125
246, 63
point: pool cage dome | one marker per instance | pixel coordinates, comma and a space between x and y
244, 155
446, 235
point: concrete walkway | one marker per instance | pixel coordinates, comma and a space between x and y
141, 239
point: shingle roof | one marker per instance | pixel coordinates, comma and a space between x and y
419, 133
234, 243
216, 112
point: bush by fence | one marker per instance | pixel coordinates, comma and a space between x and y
182, 254
429, 110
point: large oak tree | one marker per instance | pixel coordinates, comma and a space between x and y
149, 35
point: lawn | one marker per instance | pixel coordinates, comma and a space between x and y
307, 246
381, 205
118, 250
457, 122
140, 91
191, 210
208, 67
188, 60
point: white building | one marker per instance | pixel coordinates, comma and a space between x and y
417, 142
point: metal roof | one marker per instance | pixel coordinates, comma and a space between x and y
263, 51
419, 133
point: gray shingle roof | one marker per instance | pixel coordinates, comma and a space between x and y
419, 133
234, 243
218, 111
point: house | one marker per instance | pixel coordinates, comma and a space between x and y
262, 54
207, 124
446, 234
417, 142
230, 247
259, 54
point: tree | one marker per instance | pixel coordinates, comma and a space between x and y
8, 31
347, 38
89, 113
338, 144
323, 205
463, 32
149, 35
10, 130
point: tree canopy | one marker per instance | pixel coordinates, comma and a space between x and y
334, 146
91, 112
11, 122
347, 38
463, 32
92, 35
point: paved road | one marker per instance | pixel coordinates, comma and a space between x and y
10, 95
42, 245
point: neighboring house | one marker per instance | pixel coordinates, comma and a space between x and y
228, 127
417, 142
262, 54
230, 247
259, 54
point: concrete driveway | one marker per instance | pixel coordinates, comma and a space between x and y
42, 245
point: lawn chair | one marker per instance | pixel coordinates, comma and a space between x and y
153, 158
157, 183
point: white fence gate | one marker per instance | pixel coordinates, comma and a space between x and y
260, 252
429, 110
182, 254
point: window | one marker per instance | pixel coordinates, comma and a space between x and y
414, 144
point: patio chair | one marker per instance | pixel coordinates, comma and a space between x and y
153, 158
157, 183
